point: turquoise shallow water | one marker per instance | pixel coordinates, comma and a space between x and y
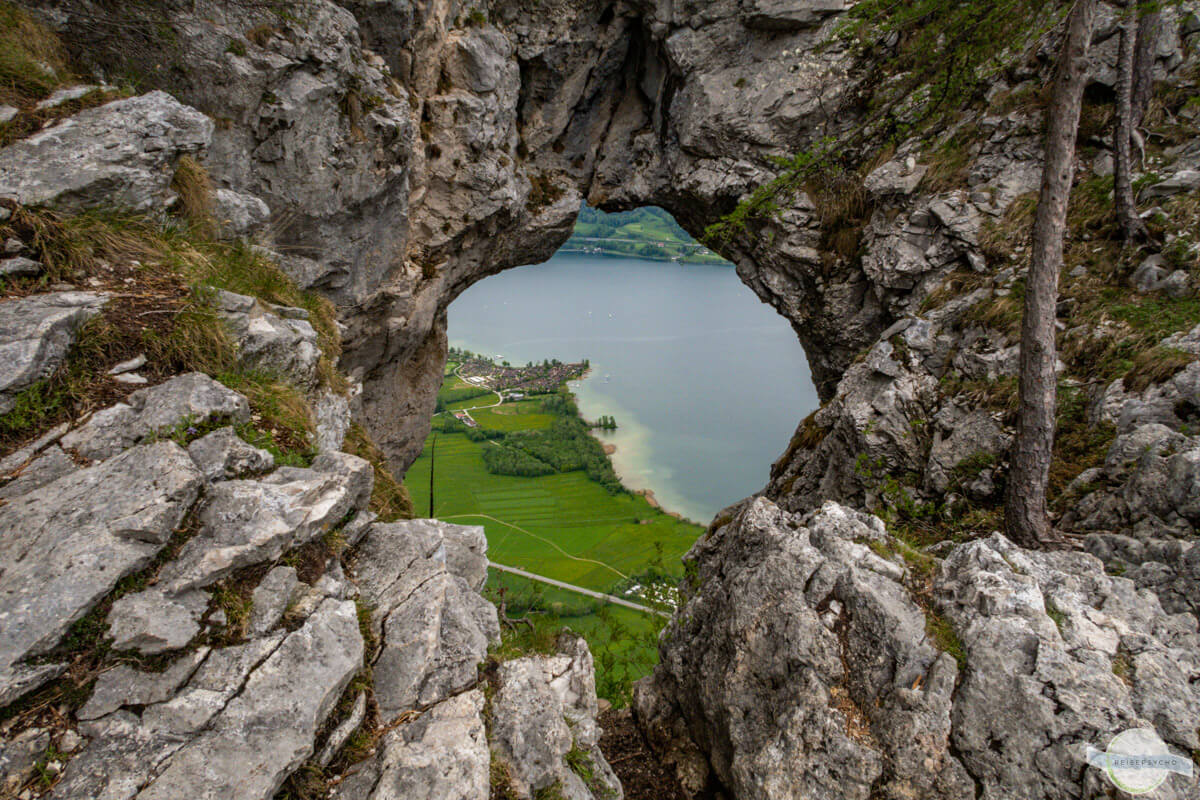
707, 384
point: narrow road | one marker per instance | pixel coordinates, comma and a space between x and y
578, 590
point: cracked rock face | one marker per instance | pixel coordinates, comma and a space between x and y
68, 543
191, 399
433, 627
443, 754
220, 734
35, 334
122, 154
242, 523
545, 708
810, 668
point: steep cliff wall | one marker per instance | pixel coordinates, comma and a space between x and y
409, 150
405, 150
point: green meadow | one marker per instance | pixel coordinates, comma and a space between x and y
564, 526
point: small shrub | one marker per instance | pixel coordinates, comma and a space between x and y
1056, 614
542, 193
1122, 667
944, 637
279, 408
261, 35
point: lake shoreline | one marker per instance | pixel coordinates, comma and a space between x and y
655, 333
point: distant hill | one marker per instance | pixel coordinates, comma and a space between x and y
648, 232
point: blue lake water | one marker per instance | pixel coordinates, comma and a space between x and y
706, 383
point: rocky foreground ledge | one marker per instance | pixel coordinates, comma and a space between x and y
253, 624
816, 656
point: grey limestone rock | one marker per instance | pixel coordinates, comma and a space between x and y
801, 664
62, 96
271, 598
20, 267
51, 465
244, 720
341, 734
152, 621
433, 626
267, 730
69, 542
20, 457
442, 754
222, 455
35, 334
545, 706
193, 398
125, 686
248, 521
273, 340
239, 213
333, 421
121, 154
959, 438
18, 756
1187, 180
242, 522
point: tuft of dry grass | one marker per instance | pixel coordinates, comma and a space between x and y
33, 62
261, 35
1157, 365
543, 192
162, 277
950, 161
195, 190
389, 498
956, 284
1001, 313
998, 239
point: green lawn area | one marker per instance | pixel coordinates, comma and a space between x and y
525, 415
565, 523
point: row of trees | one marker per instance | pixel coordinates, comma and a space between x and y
566, 446
606, 423
1026, 518
504, 460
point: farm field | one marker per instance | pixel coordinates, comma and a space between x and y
557, 525
523, 416
565, 526
624, 643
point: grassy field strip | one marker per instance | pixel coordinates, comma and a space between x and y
622, 575
607, 598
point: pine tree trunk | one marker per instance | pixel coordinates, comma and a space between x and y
1127, 217
1143, 69
1026, 518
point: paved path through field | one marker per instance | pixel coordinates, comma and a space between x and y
543, 539
578, 590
